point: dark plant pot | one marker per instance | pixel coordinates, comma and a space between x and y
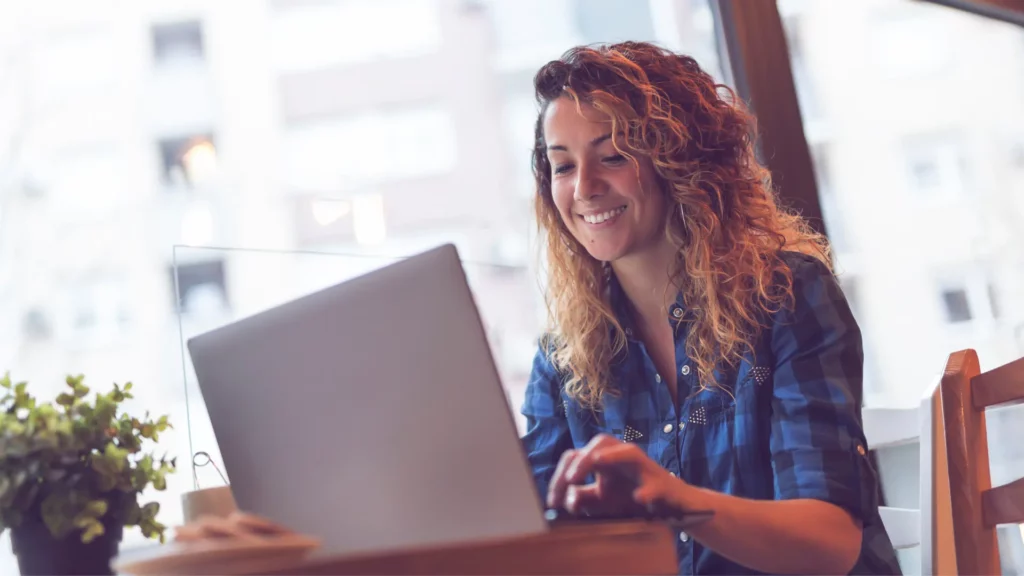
40, 553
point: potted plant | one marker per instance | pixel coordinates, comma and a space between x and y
71, 472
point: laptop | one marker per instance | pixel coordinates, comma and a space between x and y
370, 414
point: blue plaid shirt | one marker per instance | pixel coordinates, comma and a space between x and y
791, 428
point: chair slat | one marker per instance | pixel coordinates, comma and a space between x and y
887, 427
1003, 385
1003, 504
903, 526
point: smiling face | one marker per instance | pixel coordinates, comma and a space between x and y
611, 205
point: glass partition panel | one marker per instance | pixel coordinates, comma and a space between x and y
217, 286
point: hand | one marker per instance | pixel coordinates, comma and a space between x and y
626, 481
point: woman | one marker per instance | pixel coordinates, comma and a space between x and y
702, 355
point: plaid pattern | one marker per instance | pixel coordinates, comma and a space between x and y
788, 427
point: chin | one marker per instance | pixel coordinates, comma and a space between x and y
607, 253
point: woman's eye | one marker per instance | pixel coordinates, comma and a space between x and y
615, 159
563, 168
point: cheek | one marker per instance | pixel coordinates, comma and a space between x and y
562, 196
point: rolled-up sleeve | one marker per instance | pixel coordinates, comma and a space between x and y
547, 430
817, 440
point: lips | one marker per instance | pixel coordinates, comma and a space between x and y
600, 217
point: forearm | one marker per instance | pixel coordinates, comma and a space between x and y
776, 536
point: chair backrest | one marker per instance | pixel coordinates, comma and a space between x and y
929, 528
976, 507
888, 428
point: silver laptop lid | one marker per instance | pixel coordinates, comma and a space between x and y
370, 414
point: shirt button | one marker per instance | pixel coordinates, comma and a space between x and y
682, 425
657, 377
672, 473
684, 537
861, 450
677, 312
667, 428
685, 370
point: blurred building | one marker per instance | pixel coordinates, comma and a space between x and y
384, 127
352, 127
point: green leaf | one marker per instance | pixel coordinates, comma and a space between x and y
93, 529
7, 491
132, 514
58, 513
65, 399
150, 510
96, 508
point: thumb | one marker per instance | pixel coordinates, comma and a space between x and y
647, 495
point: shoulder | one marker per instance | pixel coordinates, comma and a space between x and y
806, 268
817, 298
813, 282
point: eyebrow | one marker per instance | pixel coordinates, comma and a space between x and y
595, 142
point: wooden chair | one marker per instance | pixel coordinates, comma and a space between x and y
976, 507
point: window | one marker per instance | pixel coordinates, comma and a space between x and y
71, 61
822, 169
313, 36
956, 305
96, 311
393, 166
851, 289
342, 153
36, 325
1017, 155
177, 42
906, 42
187, 160
608, 21
520, 114
993, 300
935, 166
89, 181
200, 286
914, 163
531, 32
802, 77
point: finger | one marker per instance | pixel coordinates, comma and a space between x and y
609, 456
582, 499
556, 488
581, 466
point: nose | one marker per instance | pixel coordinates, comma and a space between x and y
589, 183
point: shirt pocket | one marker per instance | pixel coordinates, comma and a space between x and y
706, 451
610, 419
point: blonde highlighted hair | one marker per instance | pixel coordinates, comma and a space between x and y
722, 212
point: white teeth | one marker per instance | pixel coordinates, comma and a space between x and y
598, 218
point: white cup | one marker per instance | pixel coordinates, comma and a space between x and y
219, 502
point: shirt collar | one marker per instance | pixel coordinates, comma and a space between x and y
620, 307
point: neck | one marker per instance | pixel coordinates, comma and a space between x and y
646, 280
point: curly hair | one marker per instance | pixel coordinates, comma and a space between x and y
722, 212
